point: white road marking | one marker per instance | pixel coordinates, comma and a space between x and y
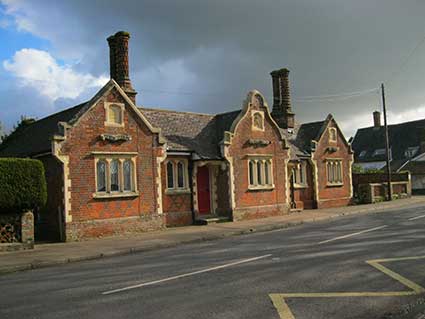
185, 275
417, 217
351, 235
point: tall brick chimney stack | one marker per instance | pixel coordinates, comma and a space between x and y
118, 59
377, 119
282, 112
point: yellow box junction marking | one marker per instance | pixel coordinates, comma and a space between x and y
285, 312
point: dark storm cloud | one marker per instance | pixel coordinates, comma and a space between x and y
218, 50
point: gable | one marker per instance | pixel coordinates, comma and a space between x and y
330, 127
121, 96
255, 103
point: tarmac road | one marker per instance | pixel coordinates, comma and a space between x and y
250, 276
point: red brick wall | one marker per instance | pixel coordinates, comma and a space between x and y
258, 203
83, 139
333, 196
176, 207
304, 197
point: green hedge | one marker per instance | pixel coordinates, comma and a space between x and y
22, 185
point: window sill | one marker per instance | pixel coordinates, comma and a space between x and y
261, 187
177, 191
298, 186
334, 184
115, 195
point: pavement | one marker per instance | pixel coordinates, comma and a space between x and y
361, 266
51, 254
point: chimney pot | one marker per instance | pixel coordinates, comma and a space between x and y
377, 119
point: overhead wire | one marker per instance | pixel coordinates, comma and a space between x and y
393, 75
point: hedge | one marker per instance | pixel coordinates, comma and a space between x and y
22, 185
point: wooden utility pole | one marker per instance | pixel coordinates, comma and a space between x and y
387, 143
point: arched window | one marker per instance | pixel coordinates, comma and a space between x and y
128, 175
251, 172
334, 171
101, 176
115, 114
114, 171
258, 121
115, 174
180, 175
267, 172
170, 175
332, 134
259, 173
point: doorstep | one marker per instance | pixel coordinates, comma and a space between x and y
212, 220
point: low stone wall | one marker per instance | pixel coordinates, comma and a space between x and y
16, 231
378, 192
372, 188
98, 228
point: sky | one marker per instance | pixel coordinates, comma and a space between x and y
205, 55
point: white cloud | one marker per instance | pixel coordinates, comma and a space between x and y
350, 125
39, 70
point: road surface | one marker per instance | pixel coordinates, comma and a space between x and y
355, 267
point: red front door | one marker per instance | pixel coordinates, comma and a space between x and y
203, 182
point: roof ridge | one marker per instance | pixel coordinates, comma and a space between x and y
229, 112
57, 113
173, 111
26, 128
392, 125
315, 122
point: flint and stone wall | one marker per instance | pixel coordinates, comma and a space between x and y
16, 231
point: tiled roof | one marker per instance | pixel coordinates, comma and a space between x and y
196, 132
36, 137
306, 133
184, 131
401, 137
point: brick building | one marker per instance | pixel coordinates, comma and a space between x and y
113, 167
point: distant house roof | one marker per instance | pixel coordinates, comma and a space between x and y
405, 139
36, 137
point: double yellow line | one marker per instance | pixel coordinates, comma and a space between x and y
415, 289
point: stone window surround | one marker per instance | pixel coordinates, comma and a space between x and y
107, 106
177, 190
300, 170
330, 162
333, 132
121, 157
263, 159
253, 126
